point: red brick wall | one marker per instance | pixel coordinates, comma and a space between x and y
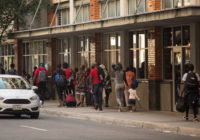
94, 10
154, 5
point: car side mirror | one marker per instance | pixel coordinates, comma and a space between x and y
34, 87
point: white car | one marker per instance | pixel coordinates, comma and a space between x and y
18, 97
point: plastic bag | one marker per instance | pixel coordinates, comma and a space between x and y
180, 106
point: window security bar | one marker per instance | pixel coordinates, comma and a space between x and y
137, 6
104, 9
78, 12
36, 13
55, 13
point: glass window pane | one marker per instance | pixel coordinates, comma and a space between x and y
186, 35
79, 15
131, 7
141, 6
64, 17
141, 55
187, 2
104, 10
177, 3
167, 37
111, 9
177, 36
86, 13
167, 61
167, 4
118, 8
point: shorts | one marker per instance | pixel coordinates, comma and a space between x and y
79, 92
131, 101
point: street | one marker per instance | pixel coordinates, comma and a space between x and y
52, 127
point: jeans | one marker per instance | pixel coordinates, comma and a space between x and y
97, 94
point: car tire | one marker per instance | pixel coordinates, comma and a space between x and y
35, 115
17, 115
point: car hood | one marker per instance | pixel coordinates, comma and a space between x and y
17, 93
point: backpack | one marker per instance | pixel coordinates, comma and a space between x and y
42, 76
191, 81
60, 80
101, 75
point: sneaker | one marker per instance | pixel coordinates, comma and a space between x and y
131, 111
186, 118
100, 109
196, 119
96, 107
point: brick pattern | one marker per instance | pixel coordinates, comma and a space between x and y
155, 55
94, 10
154, 5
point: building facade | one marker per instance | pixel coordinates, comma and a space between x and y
158, 37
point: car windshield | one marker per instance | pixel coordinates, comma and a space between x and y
13, 83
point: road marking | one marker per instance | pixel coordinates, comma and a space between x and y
35, 128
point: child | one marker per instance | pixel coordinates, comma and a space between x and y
133, 96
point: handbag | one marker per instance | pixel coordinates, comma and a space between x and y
180, 106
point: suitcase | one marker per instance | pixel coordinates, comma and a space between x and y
70, 100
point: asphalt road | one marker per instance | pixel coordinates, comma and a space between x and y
62, 128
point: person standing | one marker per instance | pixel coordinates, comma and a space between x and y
12, 70
190, 89
41, 78
60, 80
129, 76
107, 85
119, 85
81, 86
68, 75
96, 87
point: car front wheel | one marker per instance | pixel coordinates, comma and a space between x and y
35, 115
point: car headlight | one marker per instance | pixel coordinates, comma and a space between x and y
1, 98
34, 98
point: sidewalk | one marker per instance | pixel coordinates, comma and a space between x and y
169, 122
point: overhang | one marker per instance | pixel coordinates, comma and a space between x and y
184, 15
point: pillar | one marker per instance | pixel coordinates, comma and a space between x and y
74, 48
195, 43
154, 68
18, 56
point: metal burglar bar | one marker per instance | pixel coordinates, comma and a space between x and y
104, 9
78, 11
36, 13
55, 13
137, 6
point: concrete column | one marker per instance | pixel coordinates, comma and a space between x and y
125, 49
195, 45
71, 11
123, 7
155, 68
98, 48
74, 49
52, 64
18, 56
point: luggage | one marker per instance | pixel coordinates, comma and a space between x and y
70, 100
180, 106
191, 81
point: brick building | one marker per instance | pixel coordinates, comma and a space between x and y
158, 37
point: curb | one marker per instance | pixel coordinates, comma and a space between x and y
129, 123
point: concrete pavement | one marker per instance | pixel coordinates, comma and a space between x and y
169, 122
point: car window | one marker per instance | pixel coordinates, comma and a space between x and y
13, 83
